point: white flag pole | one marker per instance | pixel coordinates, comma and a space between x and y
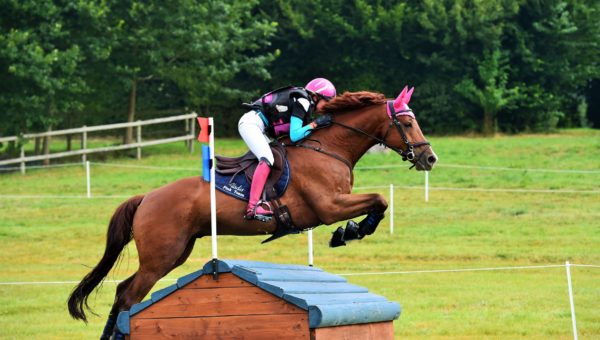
310, 247
391, 208
573, 320
213, 199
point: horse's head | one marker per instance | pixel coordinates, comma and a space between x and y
367, 124
408, 139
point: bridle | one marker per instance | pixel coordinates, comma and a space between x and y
410, 154
407, 155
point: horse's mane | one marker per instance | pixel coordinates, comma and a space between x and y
349, 101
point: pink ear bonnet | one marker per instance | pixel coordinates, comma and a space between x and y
400, 104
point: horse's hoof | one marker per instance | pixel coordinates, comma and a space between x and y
351, 232
118, 336
337, 239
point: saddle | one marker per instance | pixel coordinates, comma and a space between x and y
247, 163
232, 166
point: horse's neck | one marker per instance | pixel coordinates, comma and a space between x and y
352, 145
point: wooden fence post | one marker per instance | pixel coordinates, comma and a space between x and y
139, 140
193, 134
84, 144
23, 159
187, 131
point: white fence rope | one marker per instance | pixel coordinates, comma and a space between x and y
432, 271
463, 166
451, 270
64, 196
396, 187
63, 165
360, 168
518, 169
545, 191
147, 167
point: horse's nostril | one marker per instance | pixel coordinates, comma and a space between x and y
431, 159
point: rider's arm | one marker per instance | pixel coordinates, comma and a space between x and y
298, 130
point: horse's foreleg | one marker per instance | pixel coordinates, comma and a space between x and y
348, 206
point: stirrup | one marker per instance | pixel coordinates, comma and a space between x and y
263, 217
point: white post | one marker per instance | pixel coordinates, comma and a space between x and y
310, 248
213, 199
568, 267
22, 159
426, 186
391, 208
139, 140
87, 176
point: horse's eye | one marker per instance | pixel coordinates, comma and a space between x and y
408, 125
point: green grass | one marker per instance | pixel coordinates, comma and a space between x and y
57, 239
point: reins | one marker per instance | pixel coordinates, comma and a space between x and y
406, 155
319, 149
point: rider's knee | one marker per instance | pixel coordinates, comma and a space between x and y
268, 160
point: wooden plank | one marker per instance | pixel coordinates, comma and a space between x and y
367, 331
226, 280
86, 129
102, 149
280, 327
218, 301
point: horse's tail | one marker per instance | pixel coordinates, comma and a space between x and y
118, 235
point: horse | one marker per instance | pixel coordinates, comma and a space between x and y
166, 222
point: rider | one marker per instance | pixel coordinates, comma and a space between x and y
284, 111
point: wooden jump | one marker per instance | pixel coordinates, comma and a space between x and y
260, 300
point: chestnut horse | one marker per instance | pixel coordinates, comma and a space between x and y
166, 222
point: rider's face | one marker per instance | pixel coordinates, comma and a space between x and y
320, 104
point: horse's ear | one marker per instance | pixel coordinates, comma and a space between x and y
400, 99
403, 93
406, 98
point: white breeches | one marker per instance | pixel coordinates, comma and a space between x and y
252, 130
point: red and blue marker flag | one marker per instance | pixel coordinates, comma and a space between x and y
205, 130
204, 137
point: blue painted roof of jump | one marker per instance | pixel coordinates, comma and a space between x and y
329, 299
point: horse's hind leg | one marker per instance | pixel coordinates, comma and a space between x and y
114, 311
133, 290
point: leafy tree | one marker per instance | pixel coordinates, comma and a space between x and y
42, 47
198, 46
492, 95
555, 48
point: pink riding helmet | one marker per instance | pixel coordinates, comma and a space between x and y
322, 87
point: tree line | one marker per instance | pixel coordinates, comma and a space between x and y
478, 66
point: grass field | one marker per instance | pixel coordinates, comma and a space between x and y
548, 218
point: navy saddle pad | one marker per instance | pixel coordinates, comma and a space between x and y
237, 185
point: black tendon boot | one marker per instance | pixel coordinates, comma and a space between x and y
369, 224
351, 232
110, 325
